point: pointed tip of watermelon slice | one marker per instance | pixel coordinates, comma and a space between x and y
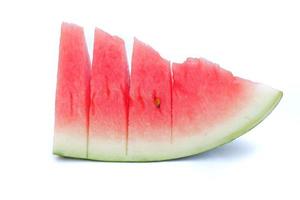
267, 110
99, 33
71, 27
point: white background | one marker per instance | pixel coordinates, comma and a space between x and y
258, 40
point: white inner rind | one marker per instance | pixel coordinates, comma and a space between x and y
70, 142
106, 148
145, 150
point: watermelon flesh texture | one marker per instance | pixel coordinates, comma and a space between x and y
212, 107
72, 94
149, 128
109, 99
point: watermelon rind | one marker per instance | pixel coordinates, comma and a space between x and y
70, 144
264, 100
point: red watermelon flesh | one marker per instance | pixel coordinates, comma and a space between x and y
212, 107
72, 94
109, 98
149, 128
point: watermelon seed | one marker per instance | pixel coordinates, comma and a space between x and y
156, 102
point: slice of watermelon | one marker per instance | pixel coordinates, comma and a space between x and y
72, 94
203, 107
212, 107
149, 131
109, 99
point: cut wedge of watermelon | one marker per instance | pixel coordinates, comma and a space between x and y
109, 99
159, 117
212, 107
72, 94
149, 128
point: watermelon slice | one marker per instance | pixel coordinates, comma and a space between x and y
72, 94
159, 117
149, 129
212, 107
109, 99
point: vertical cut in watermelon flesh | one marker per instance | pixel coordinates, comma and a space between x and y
212, 107
149, 128
109, 99
72, 94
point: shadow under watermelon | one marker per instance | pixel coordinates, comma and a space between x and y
235, 150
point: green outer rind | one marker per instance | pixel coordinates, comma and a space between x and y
69, 155
230, 137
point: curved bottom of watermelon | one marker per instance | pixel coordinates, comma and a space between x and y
264, 100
